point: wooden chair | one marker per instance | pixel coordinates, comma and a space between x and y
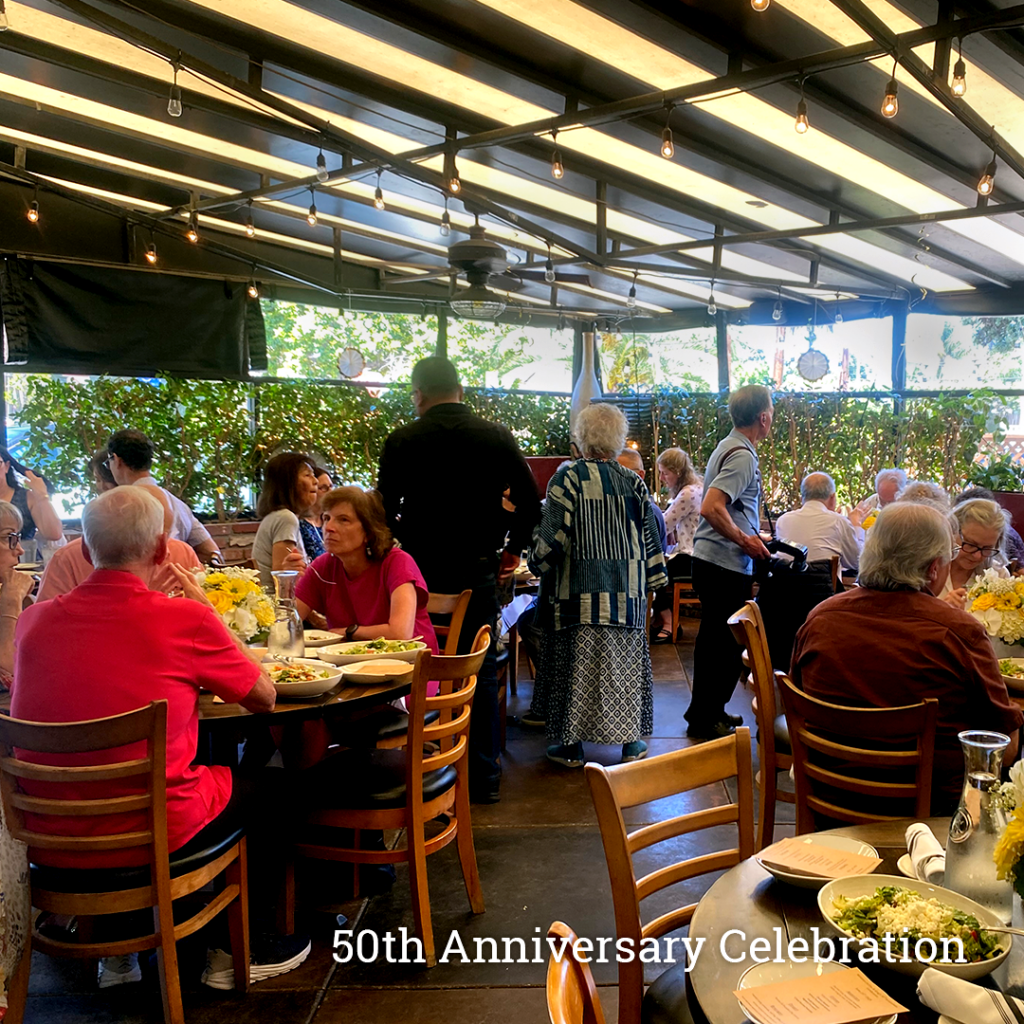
858, 765
773, 749
90, 892
572, 994
407, 788
628, 785
834, 570
682, 594
454, 606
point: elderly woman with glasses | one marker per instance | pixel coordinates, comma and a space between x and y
14, 586
982, 526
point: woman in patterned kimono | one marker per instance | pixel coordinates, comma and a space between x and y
597, 554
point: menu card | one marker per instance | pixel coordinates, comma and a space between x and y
837, 998
803, 857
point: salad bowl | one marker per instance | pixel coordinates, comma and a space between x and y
369, 650
302, 677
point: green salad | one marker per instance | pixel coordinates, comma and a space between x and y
382, 646
1010, 668
903, 913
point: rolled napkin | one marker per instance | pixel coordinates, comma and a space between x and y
960, 1001
926, 854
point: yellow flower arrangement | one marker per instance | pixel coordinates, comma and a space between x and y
983, 602
238, 599
221, 600
1010, 846
997, 602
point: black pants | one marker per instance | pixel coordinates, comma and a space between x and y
716, 655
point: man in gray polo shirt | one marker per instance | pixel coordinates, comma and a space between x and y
724, 548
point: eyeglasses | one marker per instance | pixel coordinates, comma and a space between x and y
954, 551
972, 549
13, 539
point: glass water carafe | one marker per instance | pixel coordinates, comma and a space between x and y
977, 825
286, 638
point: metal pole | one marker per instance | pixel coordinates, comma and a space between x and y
442, 334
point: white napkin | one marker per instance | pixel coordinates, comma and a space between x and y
927, 856
964, 1003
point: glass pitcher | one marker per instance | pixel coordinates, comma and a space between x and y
286, 639
977, 825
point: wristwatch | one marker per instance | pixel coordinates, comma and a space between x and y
350, 631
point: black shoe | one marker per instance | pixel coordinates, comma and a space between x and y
710, 730
485, 794
733, 719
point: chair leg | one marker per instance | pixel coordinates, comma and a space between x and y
416, 840
237, 873
17, 987
167, 966
286, 904
513, 666
467, 851
767, 785
502, 714
675, 615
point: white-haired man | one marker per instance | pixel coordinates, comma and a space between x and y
890, 642
818, 526
888, 484
111, 645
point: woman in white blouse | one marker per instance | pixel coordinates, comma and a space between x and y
982, 531
685, 488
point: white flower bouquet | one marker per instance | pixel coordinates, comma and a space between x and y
997, 602
239, 600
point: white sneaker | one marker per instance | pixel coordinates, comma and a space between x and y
269, 957
119, 970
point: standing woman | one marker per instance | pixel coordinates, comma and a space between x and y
33, 502
597, 554
289, 491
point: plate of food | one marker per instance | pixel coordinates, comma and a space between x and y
1012, 670
808, 881
776, 971
303, 677
370, 650
380, 670
887, 910
318, 637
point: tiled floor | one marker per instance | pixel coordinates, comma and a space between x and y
540, 859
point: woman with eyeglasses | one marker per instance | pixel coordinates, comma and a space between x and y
32, 501
982, 531
15, 586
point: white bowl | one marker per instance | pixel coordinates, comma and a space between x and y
864, 885
340, 654
379, 670
774, 972
1013, 684
312, 688
815, 881
318, 637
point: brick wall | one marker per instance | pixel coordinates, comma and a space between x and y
234, 539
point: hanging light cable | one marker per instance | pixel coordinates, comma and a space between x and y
987, 182
890, 104
193, 227
631, 297
311, 216
4, 23
668, 148
446, 221
250, 227
557, 168
174, 101
802, 124
378, 195
959, 86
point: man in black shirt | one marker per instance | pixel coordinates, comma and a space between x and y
442, 479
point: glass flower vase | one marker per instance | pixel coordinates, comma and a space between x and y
286, 637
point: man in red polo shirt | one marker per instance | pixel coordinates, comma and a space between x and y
112, 645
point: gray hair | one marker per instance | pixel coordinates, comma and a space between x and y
747, 404
923, 492
10, 514
904, 541
986, 514
122, 526
601, 431
891, 474
817, 487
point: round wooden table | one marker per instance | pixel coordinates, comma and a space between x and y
748, 898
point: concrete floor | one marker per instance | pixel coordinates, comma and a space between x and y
540, 860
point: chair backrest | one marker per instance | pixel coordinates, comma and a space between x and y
628, 785
449, 735
147, 784
572, 994
834, 572
858, 765
454, 606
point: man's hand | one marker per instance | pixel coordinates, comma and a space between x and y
754, 546
15, 586
508, 565
856, 516
189, 587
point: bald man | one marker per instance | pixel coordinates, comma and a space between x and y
630, 458
819, 527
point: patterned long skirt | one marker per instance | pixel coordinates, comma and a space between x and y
595, 683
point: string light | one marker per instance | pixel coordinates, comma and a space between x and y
151, 253
988, 180
802, 125
890, 104
631, 297
712, 305
378, 195
33, 212
839, 311
174, 102
549, 269
557, 169
4, 23
451, 173
321, 167
959, 86
777, 308
668, 149
250, 227
253, 289
311, 216
760, 5
193, 227
446, 221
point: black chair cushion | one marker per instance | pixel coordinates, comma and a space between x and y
215, 841
385, 724
781, 730
369, 779
665, 1001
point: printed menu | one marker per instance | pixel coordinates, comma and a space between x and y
803, 857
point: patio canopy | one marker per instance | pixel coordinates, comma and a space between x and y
624, 160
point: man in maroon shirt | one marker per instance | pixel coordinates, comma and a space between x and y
889, 642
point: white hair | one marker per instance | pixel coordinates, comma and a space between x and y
11, 514
924, 492
122, 527
986, 514
891, 474
817, 487
601, 431
904, 541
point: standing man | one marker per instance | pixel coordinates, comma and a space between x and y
724, 548
442, 479
130, 459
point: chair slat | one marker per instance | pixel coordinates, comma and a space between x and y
668, 922
83, 844
861, 755
682, 825
867, 787
72, 774
680, 872
81, 808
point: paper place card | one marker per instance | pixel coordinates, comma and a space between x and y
837, 998
803, 857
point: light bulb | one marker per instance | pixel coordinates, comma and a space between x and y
253, 290
712, 308
33, 212
378, 198
250, 228
959, 86
446, 224
321, 167
631, 297
839, 315
891, 105
760, 5
311, 216
802, 124
777, 311
557, 170
549, 271
668, 149
988, 180
4, 24
151, 253
454, 184
193, 228
174, 103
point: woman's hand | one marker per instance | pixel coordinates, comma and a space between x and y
295, 560
956, 598
189, 587
36, 484
15, 586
